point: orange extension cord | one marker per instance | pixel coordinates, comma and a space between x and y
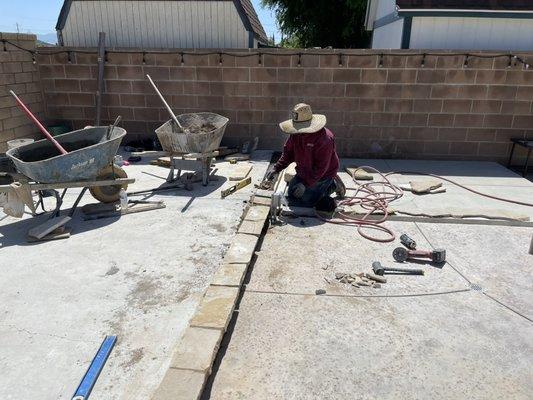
376, 196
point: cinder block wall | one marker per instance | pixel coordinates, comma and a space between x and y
18, 73
378, 106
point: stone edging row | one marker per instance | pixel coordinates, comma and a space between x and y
194, 356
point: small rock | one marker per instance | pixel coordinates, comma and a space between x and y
350, 279
339, 275
364, 283
376, 285
355, 284
320, 291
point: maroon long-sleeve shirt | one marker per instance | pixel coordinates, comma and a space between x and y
314, 154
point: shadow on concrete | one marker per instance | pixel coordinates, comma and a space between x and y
16, 233
172, 189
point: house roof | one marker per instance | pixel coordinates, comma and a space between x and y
496, 5
244, 7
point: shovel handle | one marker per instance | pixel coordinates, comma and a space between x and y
39, 125
165, 103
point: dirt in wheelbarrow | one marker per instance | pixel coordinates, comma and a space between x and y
198, 129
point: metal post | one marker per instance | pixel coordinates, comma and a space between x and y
100, 82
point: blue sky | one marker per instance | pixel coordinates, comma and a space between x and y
40, 16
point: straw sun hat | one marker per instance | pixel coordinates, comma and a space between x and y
303, 120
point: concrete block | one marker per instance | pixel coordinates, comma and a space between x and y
197, 349
241, 250
216, 307
229, 275
251, 227
257, 214
179, 384
263, 193
261, 201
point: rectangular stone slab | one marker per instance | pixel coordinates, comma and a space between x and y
229, 275
216, 307
241, 250
179, 384
251, 227
197, 349
257, 213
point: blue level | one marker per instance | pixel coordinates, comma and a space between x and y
89, 379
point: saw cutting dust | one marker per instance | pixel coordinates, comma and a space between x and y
374, 198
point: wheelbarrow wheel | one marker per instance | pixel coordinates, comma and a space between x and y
111, 193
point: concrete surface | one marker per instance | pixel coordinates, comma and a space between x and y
139, 277
461, 331
485, 177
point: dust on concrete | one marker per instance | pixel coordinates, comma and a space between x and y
135, 356
218, 227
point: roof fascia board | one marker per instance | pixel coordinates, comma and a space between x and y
464, 13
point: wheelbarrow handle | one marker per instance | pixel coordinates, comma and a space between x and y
165, 103
39, 125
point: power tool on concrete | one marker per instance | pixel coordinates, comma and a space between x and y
408, 242
401, 254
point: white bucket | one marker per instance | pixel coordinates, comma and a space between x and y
13, 144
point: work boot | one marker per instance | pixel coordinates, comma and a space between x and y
340, 189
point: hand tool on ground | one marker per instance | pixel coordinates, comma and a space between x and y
408, 242
39, 125
166, 104
237, 186
381, 270
89, 379
401, 254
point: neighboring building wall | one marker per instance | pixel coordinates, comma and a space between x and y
388, 36
18, 73
503, 34
156, 24
385, 7
401, 110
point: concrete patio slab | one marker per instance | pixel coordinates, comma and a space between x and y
462, 331
495, 258
453, 346
140, 277
305, 254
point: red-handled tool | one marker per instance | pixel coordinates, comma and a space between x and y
39, 125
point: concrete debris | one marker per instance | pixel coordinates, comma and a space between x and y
376, 278
359, 279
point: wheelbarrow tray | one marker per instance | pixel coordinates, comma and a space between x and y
173, 140
89, 151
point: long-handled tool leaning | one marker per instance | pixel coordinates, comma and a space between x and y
38, 123
166, 104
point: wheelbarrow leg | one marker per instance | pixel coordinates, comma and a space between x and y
75, 205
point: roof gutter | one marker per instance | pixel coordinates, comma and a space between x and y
446, 12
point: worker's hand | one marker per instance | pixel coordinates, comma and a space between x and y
299, 190
269, 180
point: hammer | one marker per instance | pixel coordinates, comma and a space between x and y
401, 254
381, 270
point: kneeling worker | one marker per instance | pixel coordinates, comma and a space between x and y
312, 147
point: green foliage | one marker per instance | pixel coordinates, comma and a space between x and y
322, 23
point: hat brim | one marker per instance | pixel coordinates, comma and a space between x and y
313, 125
